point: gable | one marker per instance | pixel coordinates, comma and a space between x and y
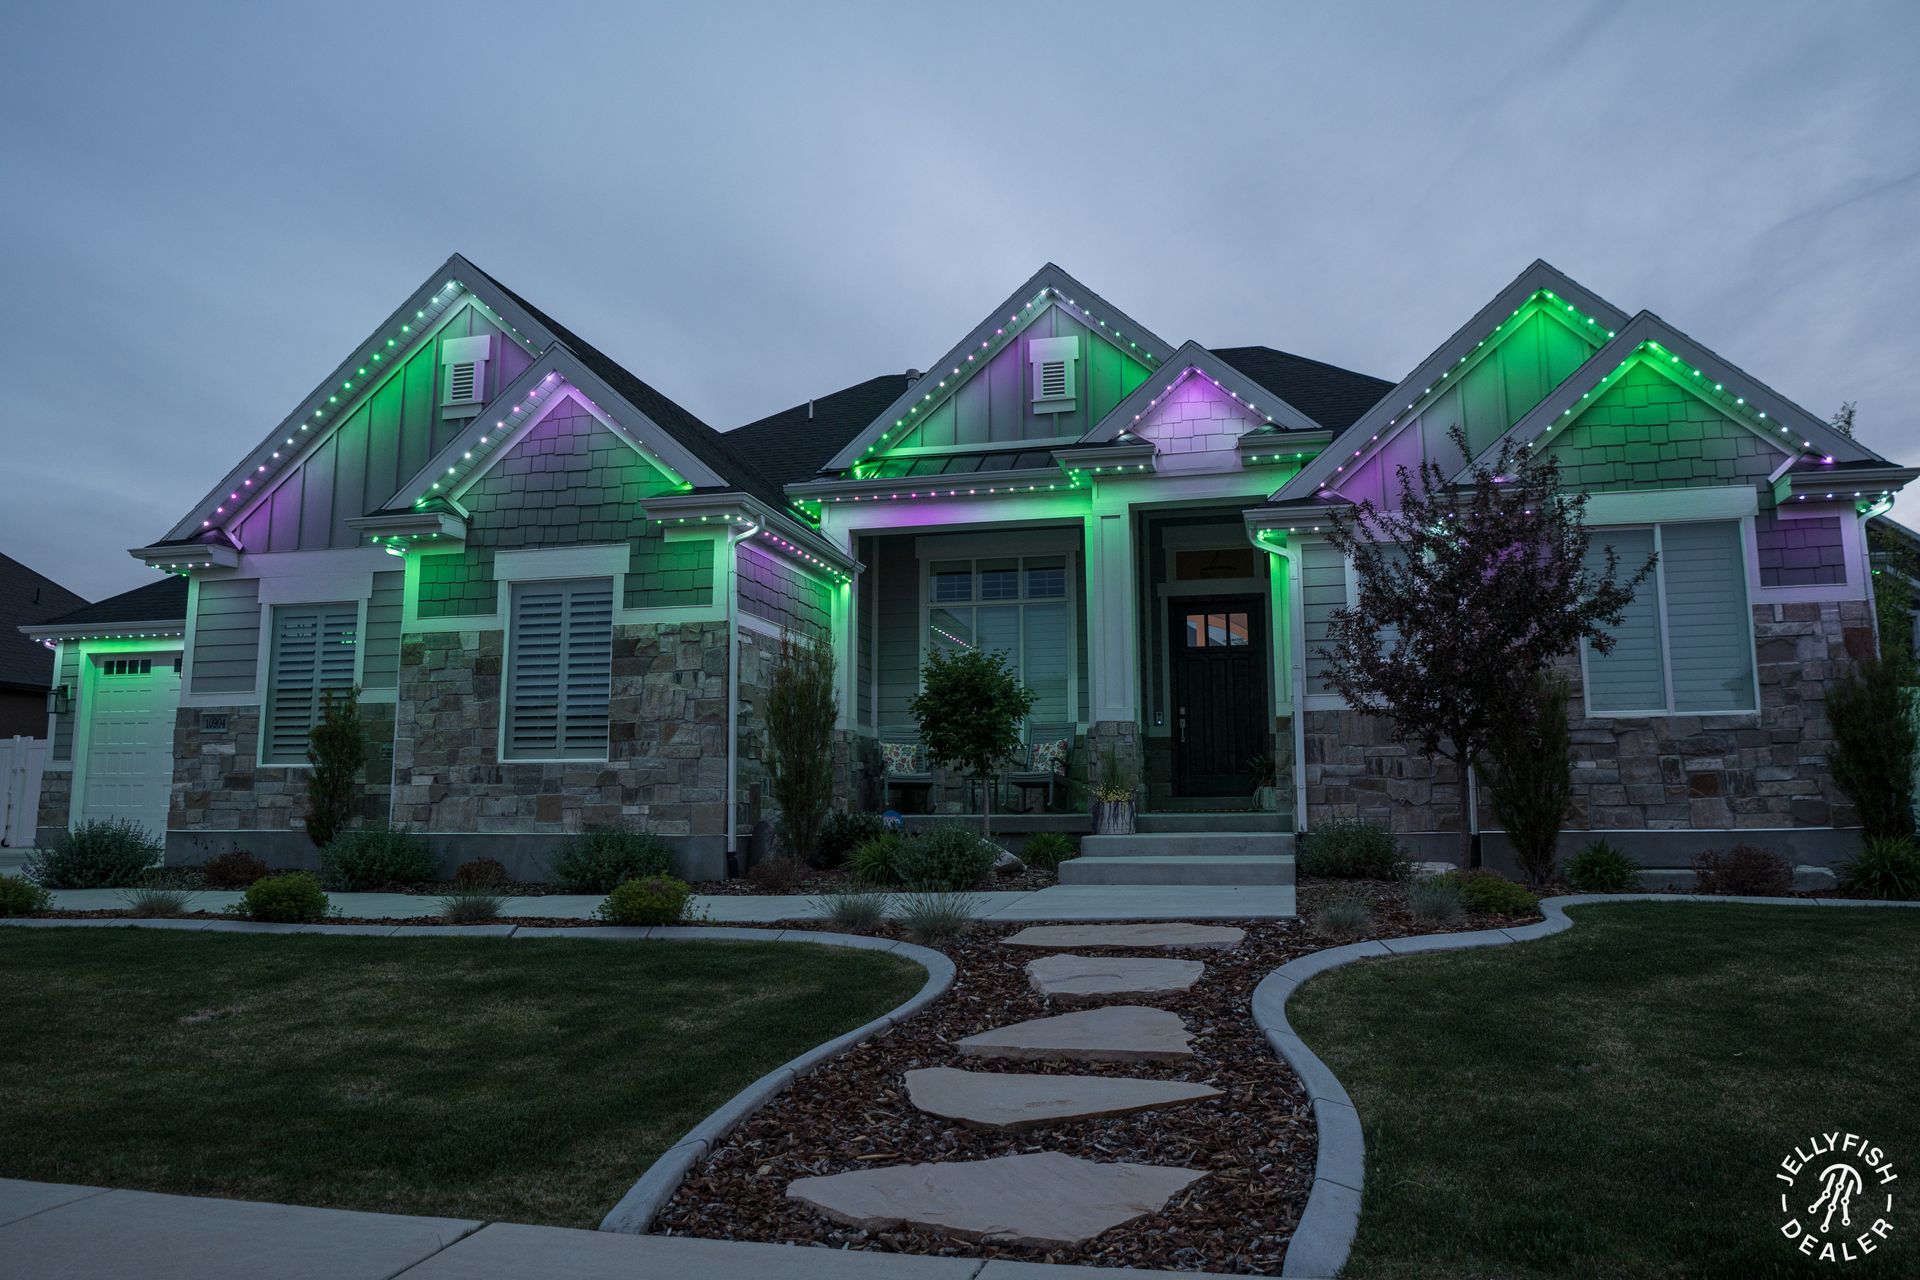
994, 403
1485, 393
1193, 420
394, 425
1647, 430
569, 480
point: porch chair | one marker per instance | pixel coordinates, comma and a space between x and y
1049, 748
903, 762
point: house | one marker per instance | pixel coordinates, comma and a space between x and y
560, 592
26, 666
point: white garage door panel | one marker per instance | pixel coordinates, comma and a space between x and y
130, 739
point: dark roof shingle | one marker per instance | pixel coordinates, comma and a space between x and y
162, 601
1331, 396
26, 598
792, 445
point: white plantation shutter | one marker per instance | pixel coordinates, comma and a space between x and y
313, 650
1709, 627
559, 670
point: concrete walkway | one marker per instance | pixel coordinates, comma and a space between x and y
84, 1233
1058, 902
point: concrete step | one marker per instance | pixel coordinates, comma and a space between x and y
1179, 869
1247, 821
1215, 844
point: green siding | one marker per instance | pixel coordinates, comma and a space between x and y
569, 481
776, 591
1647, 431
226, 635
380, 647
69, 676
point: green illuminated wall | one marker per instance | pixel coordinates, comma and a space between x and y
1647, 430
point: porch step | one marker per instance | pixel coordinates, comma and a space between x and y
1217, 844
1249, 820
1178, 869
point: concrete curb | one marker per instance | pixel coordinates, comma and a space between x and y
1325, 1235
637, 1208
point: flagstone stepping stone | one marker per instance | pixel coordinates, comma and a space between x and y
1086, 937
995, 1100
1043, 1199
1075, 979
1113, 1033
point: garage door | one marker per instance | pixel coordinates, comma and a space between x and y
129, 765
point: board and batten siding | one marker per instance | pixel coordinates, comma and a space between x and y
226, 636
393, 432
995, 404
380, 646
899, 631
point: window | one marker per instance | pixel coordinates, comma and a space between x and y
559, 670
464, 373
1685, 644
1052, 360
1012, 604
312, 655
1216, 630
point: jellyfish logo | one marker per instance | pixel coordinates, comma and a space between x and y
1846, 1185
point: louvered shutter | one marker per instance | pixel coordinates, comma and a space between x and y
1053, 379
460, 380
313, 648
560, 670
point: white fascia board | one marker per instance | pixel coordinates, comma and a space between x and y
1427, 376
962, 361
807, 547
186, 555
1856, 483
1672, 506
1194, 361
537, 564
971, 484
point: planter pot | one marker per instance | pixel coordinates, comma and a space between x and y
1113, 817
1266, 799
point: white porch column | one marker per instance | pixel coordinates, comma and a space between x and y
1113, 631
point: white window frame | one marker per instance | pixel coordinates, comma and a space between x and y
269, 652
505, 732
1745, 541
929, 556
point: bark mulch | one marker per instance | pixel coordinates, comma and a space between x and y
1256, 1142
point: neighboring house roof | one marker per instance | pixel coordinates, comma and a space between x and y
26, 598
1332, 396
794, 444
163, 601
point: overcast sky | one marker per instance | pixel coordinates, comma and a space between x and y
206, 207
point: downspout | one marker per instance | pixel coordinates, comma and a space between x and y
733, 695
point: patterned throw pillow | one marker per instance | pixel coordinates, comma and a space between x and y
900, 757
1049, 757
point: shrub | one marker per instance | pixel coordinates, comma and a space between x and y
944, 859
1349, 849
162, 894
480, 872
372, 857
336, 748
933, 918
779, 874
288, 899
1744, 870
1875, 741
234, 870
842, 833
645, 900
601, 858
854, 907
1435, 901
20, 896
1048, 849
99, 854
872, 862
1342, 917
1486, 892
801, 706
1531, 781
1884, 868
472, 903
1601, 868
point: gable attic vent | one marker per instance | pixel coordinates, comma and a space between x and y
1053, 381
463, 382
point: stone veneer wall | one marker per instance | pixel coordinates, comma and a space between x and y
56, 799
220, 789
1123, 738
1637, 774
666, 765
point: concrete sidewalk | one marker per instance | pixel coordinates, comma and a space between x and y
91, 1233
1058, 902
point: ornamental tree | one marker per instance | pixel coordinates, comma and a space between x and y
336, 748
1466, 593
801, 708
970, 708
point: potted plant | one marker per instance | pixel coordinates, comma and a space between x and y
1266, 796
1113, 798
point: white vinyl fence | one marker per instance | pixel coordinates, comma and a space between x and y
21, 762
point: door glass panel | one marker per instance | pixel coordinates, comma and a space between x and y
1236, 628
1196, 630
999, 580
1216, 628
998, 631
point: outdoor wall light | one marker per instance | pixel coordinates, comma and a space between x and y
59, 700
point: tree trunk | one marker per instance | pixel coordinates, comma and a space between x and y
986, 808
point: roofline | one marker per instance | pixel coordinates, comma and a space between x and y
1197, 360
160, 628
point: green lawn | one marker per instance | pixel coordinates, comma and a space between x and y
523, 1081
1615, 1100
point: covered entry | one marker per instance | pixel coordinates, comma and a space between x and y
125, 748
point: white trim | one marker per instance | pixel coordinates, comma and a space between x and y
1853, 544
535, 564
331, 586
1020, 604
1672, 506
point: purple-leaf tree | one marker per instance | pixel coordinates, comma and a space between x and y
1466, 592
